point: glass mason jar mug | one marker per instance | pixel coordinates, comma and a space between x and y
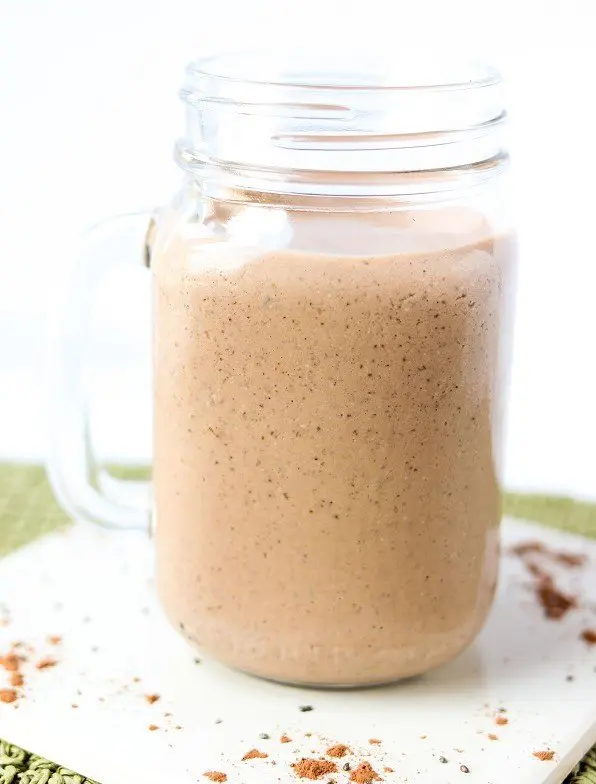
332, 310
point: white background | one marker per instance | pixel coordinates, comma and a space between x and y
89, 114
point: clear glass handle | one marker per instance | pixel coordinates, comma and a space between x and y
82, 486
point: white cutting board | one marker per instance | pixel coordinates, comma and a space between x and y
95, 590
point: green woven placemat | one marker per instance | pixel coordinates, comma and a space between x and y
28, 510
18, 766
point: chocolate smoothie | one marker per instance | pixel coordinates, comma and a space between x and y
326, 457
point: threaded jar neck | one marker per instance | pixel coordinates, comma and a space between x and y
318, 124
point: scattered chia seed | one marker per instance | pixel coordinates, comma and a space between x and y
569, 678
264, 736
197, 661
443, 760
464, 768
305, 708
346, 766
218, 721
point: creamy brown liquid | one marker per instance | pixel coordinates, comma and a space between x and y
327, 432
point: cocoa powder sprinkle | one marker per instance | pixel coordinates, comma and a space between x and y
501, 721
254, 754
151, 698
544, 756
54, 639
16, 679
10, 662
492, 736
555, 603
285, 739
339, 750
215, 775
46, 663
537, 571
572, 560
528, 548
377, 742
314, 769
152, 727
364, 774
589, 636
8, 695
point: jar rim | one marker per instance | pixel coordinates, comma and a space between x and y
418, 70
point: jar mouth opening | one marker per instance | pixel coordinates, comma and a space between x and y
386, 72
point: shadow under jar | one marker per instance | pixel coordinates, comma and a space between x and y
332, 305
